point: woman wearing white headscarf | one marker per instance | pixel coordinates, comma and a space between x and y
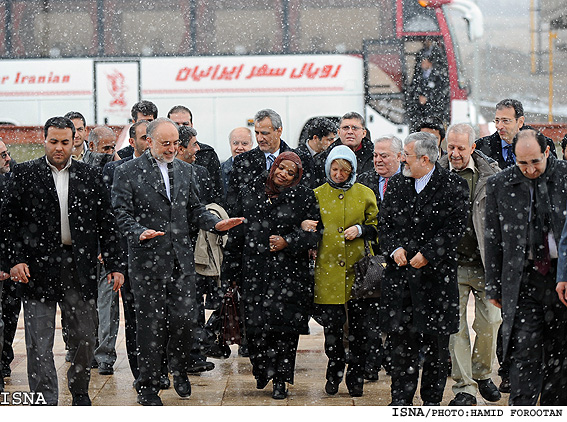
348, 218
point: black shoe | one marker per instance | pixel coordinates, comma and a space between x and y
243, 351
94, 364
261, 383
149, 400
504, 385
399, 403
431, 403
356, 390
280, 391
217, 351
332, 387
201, 367
488, 390
81, 400
371, 375
105, 369
463, 399
69, 355
164, 382
182, 385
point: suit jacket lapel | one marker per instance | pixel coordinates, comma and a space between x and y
427, 193
177, 179
47, 177
152, 175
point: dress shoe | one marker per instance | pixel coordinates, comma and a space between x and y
463, 399
182, 385
504, 385
399, 403
371, 375
201, 366
280, 391
332, 387
431, 403
94, 364
355, 390
81, 400
488, 390
69, 355
261, 383
105, 369
164, 382
149, 400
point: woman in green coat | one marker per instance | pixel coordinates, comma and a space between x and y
348, 218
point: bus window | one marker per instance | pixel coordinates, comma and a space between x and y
418, 19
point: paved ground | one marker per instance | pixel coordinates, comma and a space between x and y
229, 384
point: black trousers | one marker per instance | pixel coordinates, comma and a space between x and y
273, 355
538, 343
406, 344
130, 325
333, 318
11, 307
165, 315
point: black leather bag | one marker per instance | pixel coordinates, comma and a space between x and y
368, 275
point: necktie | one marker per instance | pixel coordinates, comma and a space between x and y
270, 160
384, 187
510, 156
170, 174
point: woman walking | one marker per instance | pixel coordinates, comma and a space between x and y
268, 258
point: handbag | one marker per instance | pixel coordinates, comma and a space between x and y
368, 275
230, 317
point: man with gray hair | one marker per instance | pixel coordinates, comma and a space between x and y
421, 222
251, 164
102, 143
471, 369
240, 140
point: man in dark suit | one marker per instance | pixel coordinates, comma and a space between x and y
320, 134
139, 144
142, 110
422, 218
249, 165
509, 120
352, 133
525, 215
240, 140
54, 218
156, 207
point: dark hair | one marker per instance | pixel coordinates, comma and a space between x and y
132, 131
510, 103
433, 123
564, 143
59, 122
146, 108
353, 115
186, 133
538, 136
76, 115
321, 126
177, 109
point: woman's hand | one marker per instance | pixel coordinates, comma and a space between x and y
351, 233
309, 225
277, 243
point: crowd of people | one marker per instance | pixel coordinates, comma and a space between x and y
164, 223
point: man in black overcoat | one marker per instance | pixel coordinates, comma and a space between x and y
55, 215
421, 220
156, 206
525, 214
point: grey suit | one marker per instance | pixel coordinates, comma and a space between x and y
161, 269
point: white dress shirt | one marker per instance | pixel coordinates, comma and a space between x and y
61, 179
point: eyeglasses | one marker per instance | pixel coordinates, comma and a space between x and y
354, 128
4, 154
504, 121
168, 143
404, 154
531, 162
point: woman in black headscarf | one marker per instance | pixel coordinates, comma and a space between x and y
268, 258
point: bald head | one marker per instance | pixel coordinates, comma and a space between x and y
240, 140
532, 152
102, 139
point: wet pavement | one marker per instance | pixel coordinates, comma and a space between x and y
230, 384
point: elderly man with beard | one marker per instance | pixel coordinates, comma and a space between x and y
157, 207
421, 221
471, 369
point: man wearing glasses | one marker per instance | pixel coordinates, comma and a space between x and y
157, 207
525, 207
352, 133
509, 120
